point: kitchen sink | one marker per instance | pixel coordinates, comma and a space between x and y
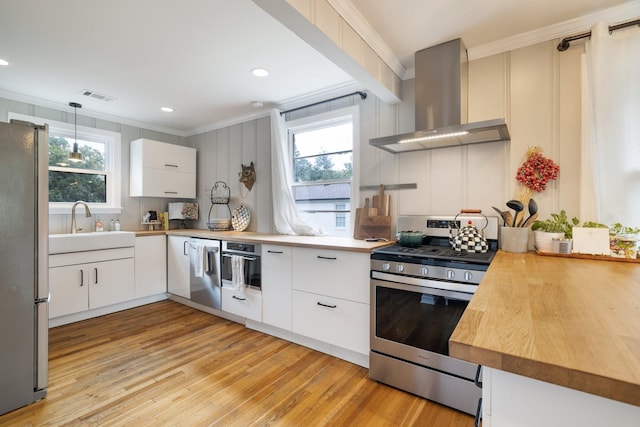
80, 242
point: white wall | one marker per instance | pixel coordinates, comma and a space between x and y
134, 207
536, 88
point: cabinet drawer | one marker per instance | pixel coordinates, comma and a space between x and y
335, 321
248, 305
339, 274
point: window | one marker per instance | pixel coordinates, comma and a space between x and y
95, 179
322, 164
341, 216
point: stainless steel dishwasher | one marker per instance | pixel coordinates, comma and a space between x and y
204, 272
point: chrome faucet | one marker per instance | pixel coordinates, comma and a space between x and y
73, 215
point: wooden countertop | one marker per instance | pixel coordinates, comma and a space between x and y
571, 322
319, 242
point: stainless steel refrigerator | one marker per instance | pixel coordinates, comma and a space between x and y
24, 287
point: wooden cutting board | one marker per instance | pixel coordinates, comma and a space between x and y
381, 201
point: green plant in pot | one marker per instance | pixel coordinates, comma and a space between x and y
622, 241
559, 226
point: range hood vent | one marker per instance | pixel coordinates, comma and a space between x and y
441, 105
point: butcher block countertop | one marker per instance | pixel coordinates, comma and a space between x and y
566, 321
318, 242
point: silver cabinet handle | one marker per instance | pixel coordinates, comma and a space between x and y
275, 252
184, 248
327, 257
81, 277
327, 305
238, 298
96, 269
170, 192
170, 165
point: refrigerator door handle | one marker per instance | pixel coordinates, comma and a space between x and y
42, 356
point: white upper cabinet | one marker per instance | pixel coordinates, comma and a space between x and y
158, 169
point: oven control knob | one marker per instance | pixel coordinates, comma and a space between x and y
468, 276
400, 268
386, 266
451, 274
424, 271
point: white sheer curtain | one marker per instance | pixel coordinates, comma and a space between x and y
611, 127
285, 213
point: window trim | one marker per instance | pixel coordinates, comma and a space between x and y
321, 120
113, 160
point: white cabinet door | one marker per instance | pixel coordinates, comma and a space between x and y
335, 321
339, 274
178, 266
157, 169
276, 286
69, 288
150, 265
111, 282
158, 183
160, 155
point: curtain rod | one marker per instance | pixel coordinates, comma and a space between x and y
565, 43
363, 95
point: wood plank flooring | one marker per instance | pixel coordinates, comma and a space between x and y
168, 364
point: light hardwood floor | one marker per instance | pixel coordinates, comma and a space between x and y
168, 364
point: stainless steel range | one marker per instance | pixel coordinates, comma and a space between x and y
417, 298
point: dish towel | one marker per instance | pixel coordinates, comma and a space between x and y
237, 273
199, 261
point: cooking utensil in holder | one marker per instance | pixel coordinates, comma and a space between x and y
220, 195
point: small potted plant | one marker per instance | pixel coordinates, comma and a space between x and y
622, 241
558, 227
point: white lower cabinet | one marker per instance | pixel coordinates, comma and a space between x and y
335, 321
247, 304
86, 280
331, 297
69, 287
178, 266
276, 286
151, 265
111, 282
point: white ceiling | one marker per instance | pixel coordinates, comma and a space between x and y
196, 55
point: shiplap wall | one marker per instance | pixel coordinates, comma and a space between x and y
134, 207
536, 88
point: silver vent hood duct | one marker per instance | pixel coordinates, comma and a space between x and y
441, 105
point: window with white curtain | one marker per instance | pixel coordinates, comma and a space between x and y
322, 162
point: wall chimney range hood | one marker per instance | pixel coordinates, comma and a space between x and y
441, 105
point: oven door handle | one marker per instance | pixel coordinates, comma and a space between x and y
423, 290
246, 258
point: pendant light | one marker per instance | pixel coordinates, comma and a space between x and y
75, 156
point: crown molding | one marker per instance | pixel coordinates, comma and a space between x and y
354, 18
581, 24
27, 99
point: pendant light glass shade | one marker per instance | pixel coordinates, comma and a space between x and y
75, 156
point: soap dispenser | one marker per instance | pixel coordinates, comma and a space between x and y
99, 225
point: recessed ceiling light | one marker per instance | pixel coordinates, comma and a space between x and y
3, 62
259, 72
167, 109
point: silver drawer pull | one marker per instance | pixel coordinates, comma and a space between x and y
327, 257
326, 305
238, 298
